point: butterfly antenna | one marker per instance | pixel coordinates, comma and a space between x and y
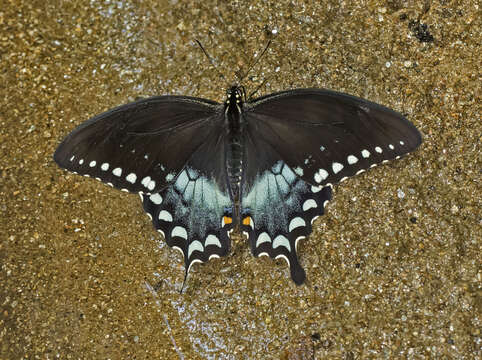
209, 58
256, 62
250, 97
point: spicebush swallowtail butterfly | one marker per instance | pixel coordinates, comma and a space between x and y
264, 166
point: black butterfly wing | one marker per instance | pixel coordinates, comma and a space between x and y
195, 212
142, 146
297, 144
278, 207
325, 136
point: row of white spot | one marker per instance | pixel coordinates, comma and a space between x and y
196, 245
336, 167
279, 240
180, 231
296, 222
132, 177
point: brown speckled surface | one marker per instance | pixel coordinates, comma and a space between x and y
394, 267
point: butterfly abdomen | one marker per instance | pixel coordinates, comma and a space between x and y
234, 163
234, 153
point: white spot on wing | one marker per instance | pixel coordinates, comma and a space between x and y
378, 149
151, 185
296, 223
92, 163
321, 175
391, 146
315, 189
281, 240
165, 216
179, 231
337, 167
146, 181
131, 178
317, 177
72, 158
352, 159
262, 238
81, 161
402, 143
105, 166
365, 153
194, 246
156, 199
212, 240
117, 171
308, 204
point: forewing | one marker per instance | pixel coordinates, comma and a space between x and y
195, 212
142, 146
325, 136
278, 207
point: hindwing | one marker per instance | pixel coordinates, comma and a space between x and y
277, 206
195, 212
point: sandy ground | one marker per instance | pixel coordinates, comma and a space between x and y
394, 267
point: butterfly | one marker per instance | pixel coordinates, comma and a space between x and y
264, 166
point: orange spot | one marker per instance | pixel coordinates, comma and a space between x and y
247, 221
227, 220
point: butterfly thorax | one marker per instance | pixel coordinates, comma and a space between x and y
234, 125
